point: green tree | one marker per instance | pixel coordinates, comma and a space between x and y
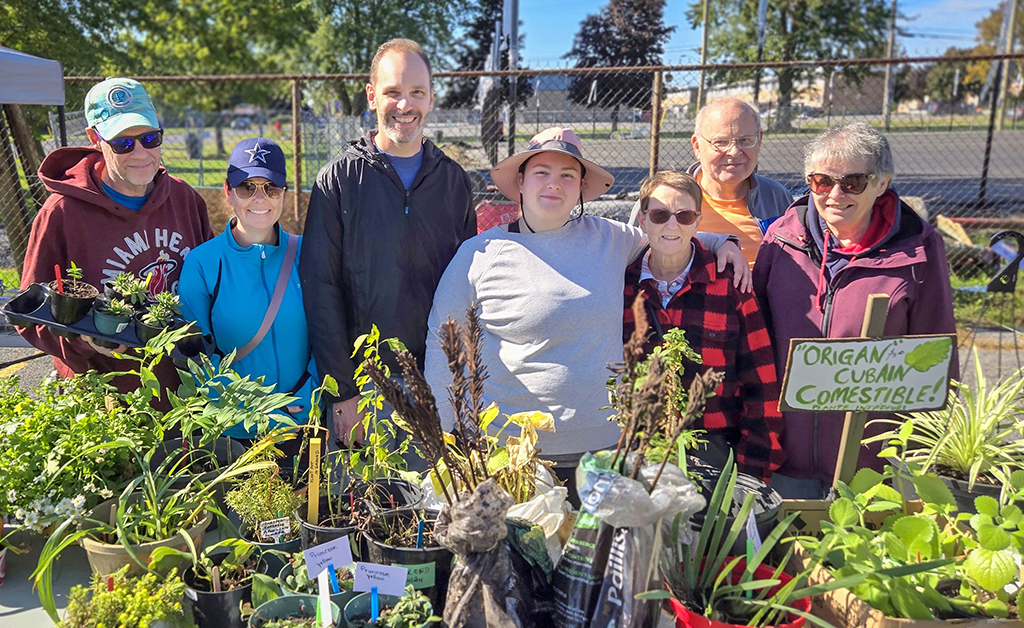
939, 81
987, 38
794, 30
625, 32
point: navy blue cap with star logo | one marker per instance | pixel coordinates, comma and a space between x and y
257, 157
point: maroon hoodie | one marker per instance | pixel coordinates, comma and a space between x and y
79, 223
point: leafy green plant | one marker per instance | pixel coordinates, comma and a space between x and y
169, 300
973, 557
74, 272
126, 601
411, 611
263, 495
233, 569
299, 582
698, 573
980, 434
118, 308
130, 287
158, 315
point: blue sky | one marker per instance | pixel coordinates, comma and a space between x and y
550, 26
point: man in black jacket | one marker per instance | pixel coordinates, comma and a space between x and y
383, 222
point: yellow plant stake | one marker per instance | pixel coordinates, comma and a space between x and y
313, 511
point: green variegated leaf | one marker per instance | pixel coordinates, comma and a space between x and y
991, 570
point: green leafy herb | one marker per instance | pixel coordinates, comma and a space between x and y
928, 354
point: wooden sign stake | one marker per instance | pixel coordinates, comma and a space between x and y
313, 510
853, 425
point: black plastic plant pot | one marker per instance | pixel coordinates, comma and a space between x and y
391, 494
147, 332
341, 599
215, 610
290, 607
359, 607
273, 561
108, 324
430, 568
193, 345
111, 293
326, 529
25, 302
965, 497
766, 504
68, 310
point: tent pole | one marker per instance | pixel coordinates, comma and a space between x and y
63, 127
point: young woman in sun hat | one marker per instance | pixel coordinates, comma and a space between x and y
548, 289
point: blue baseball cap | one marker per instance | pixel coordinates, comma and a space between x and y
257, 157
117, 104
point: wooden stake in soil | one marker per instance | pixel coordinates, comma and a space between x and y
215, 575
313, 510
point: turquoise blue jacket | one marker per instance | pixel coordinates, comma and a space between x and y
243, 280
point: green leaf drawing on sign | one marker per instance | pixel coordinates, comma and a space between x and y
927, 355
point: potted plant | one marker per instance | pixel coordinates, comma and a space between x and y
973, 445
974, 558
294, 580
156, 319
406, 537
264, 496
70, 300
412, 610
123, 600
111, 317
291, 611
218, 581
128, 288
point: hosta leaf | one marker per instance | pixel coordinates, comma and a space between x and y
488, 415
993, 537
933, 490
928, 354
991, 570
843, 512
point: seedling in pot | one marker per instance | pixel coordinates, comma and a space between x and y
130, 288
170, 301
158, 315
117, 308
298, 581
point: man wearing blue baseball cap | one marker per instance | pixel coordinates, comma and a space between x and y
113, 208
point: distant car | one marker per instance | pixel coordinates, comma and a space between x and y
241, 123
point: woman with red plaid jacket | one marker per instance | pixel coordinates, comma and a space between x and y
681, 287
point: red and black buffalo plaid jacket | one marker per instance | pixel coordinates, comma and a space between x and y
725, 327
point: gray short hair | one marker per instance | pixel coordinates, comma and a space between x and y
850, 142
698, 122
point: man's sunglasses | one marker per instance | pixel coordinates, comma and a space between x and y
848, 184
661, 216
125, 145
247, 189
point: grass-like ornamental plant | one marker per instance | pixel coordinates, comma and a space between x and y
980, 434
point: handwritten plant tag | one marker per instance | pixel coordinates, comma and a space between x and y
389, 580
336, 552
420, 576
275, 529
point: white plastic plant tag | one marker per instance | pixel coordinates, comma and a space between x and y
275, 530
752, 533
337, 552
324, 588
389, 580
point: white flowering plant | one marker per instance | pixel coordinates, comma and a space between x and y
43, 435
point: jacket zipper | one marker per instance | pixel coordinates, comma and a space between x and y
407, 202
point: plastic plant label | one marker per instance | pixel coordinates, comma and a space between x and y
336, 552
420, 576
276, 529
324, 601
389, 579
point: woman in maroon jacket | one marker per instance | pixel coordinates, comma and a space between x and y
682, 288
850, 237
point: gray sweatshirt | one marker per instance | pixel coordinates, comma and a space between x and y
550, 305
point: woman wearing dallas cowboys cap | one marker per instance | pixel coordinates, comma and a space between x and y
242, 287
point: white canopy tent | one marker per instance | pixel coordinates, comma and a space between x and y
28, 80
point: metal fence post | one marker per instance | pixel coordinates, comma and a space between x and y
297, 143
655, 122
988, 138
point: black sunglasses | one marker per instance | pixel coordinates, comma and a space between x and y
125, 145
848, 184
661, 216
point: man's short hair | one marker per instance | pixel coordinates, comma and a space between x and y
406, 46
698, 122
673, 179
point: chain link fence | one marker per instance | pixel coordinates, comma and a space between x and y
960, 160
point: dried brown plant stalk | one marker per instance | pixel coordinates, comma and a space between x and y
463, 348
703, 386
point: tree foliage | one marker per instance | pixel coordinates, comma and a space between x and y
625, 32
794, 30
987, 38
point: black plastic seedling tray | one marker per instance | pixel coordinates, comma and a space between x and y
31, 306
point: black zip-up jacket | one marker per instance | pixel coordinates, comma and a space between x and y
373, 252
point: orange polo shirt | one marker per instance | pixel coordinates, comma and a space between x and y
732, 217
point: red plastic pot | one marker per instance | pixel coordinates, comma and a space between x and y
685, 618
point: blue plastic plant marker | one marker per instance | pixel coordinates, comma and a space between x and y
419, 534
374, 604
335, 589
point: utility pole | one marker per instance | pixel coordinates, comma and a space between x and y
889, 88
1005, 85
512, 15
703, 58
762, 13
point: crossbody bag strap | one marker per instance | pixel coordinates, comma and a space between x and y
275, 301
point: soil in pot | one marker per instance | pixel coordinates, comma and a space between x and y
74, 304
685, 618
766, 505
221, 609
293, 607
330, 527
391, 540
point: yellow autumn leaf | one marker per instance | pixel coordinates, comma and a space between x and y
540, 420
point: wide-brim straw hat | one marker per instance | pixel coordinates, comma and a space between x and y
596, 181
